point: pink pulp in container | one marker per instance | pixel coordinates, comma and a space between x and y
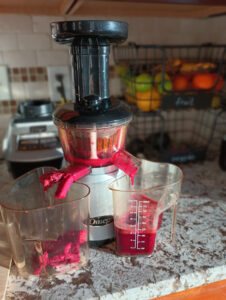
60, 253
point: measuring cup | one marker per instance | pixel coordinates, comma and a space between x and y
138, 208
47, 236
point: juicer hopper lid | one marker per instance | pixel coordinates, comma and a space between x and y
110, 31
67, 116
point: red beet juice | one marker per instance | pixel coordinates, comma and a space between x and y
134, 231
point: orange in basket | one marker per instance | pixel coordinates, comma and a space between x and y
149, 100
202, 81
130, 98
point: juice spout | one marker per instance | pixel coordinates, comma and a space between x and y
126, 162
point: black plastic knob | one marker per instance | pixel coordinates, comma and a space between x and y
110, 31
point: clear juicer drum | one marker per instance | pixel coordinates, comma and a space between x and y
93, 147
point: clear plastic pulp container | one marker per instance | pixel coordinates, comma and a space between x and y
47, 236
138, 208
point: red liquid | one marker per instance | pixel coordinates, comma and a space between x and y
134, 233
56, 254
99, 162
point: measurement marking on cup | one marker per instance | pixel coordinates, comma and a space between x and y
139, 226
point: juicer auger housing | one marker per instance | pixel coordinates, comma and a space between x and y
90, 47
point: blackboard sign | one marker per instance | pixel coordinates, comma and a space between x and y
199, 101
184, 157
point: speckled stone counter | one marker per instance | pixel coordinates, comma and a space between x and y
197, 256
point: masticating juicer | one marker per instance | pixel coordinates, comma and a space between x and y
93, 128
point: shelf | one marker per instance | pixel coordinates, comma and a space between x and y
119, 8
147, 9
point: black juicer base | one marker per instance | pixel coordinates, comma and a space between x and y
96, 244
20, 168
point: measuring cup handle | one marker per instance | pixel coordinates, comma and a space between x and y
168, 199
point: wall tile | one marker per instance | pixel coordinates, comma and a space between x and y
1, 58
8, 41
20, 59
115, 87
15, 23
18, 90
57, 46
53, 58
42, 23
36, 90
34, 41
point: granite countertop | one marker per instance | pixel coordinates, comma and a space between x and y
197, 257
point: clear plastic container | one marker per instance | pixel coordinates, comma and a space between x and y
93, 147
92, 139
138, 208
47, 236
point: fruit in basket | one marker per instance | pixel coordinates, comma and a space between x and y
130, 93
158, 77
172, 65
216, 101
180, 83
202, 81
220, 83
168, 86
130, 89
130, 98
143, 82
190, 67
149, 100
121, 69
127, 78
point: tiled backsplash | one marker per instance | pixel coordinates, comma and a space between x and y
27, 74
27, 48
25, 84
32, 83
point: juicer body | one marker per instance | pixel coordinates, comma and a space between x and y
93, 128
101, 225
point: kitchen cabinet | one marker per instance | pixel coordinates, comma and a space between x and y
111, 8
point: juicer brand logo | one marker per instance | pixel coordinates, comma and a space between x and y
100, 221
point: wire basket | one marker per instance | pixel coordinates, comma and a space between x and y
176, 93
176, 76
177, 136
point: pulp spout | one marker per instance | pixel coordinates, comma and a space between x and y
126, 162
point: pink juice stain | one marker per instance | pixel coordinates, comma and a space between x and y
56, 254
99, 162
127, 163
135, 234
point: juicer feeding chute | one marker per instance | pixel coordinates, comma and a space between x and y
90, 47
